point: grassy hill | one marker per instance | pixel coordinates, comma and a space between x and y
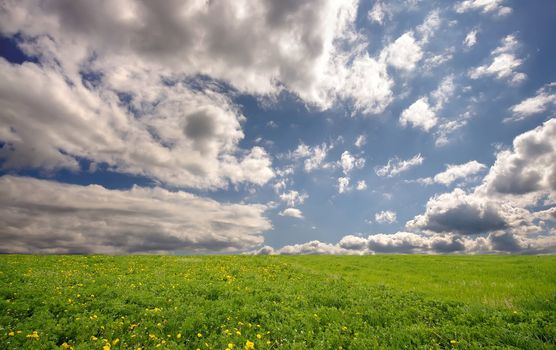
278, 302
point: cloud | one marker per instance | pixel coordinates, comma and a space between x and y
396, 166
413, 243
527, 172
458, 212
292, 212
504, 63
348, 162
257, 47
361, 185
540, 103
343, 184
385, 217
360, 141
367, 84
404, 53
188, 138
293, 198
484, 6
521, 179
424, 116
379, 12
313, 156
455, 172
471, 38
419, 115
41, 216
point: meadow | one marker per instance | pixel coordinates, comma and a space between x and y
277, 302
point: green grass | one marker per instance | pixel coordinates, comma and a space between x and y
307, 302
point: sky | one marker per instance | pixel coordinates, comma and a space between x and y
277, 127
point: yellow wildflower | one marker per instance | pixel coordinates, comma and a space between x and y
34, 335
199, 335
259, 336
249, 345
66, 346
106, 346
11, 334
115, 341
178, 336
230, 346
93, 338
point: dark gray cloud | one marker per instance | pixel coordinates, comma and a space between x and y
40, 216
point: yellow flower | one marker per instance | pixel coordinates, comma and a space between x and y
199, 335
115, 341
249, 345
178, 336
11, 334
66, 346
106, 346
34, 335
453, 342
230, 346
238, 332
93, 338
259, 336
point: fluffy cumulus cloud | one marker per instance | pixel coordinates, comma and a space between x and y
414, 243
116, 74
343, 184
403, 53
471, 38
396, 166
313, 157
454, 173
361, 185
293, 198
385, 217
485, 6
40, 216
422, 113
348, 162
540, 103
504, 63
292, 212
503, 205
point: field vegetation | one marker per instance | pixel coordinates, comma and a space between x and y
277, 302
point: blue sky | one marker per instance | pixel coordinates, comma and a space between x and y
293, 127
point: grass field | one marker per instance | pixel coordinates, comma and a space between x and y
300, 302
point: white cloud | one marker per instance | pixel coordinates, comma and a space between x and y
361, 185
471, 38
455, 172
420, 115
411, 243
366, 84
541, 102
292, 212
293, 198
429, 26
343, 184
504, 63
484, 6
360, 141
378, 12
348, 162
40, 216
396, 166
188, 138
503, 206
404, 53
385, 217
